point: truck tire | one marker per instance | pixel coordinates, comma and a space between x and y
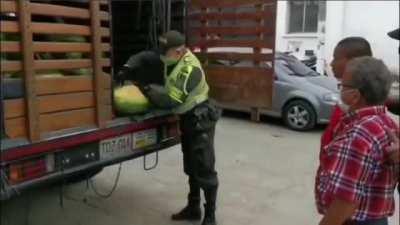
299, 115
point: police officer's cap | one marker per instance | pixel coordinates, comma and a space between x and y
171, 39
394, 34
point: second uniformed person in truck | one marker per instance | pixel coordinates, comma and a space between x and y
185, 91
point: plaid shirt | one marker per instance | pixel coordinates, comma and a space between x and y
354, 166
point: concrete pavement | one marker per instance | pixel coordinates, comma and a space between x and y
266, 173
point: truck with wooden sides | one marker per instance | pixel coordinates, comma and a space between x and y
57, 64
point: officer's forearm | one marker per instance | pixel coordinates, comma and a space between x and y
158, 96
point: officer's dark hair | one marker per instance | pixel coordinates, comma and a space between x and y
355, 47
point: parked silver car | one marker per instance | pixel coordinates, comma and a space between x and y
301, 96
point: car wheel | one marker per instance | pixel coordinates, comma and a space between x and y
299, 115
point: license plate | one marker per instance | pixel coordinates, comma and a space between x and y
125, 145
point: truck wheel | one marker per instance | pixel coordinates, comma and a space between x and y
299, 115
83, 175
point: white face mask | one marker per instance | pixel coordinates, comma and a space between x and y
343, 106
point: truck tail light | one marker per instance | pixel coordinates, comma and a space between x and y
30, 169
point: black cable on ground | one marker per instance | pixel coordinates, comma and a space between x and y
109, 194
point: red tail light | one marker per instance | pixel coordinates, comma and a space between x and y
30, 169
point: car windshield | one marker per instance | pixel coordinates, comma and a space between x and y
295, 66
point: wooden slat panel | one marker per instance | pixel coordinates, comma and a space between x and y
227, 3
9, 27
228, 43
8, 6
68, 84
231, 16
32, 112
231, 30
97, 67
10, 66
236, 56
13, 46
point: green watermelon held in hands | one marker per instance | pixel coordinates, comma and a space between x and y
130, 100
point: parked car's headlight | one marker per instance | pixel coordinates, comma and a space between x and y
330, 97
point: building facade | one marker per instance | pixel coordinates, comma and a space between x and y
307, 28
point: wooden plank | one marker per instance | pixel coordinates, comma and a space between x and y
65, 102
58, 28
9, 27
59, 11
96, 58
231, 16
13, 66
59, 85
104, 16
14, 46
14, 108
52, 28
231, 30
8, 6
234, 56
103, 2
10, 66
55, 121
228, 43
67, 64
29, 72
227, 3
10, 46
55, 103
67, 47
15, 127
69, 119
105, 32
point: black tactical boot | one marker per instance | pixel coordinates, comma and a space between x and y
209, 216
191, 212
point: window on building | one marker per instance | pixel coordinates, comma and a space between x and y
303, 16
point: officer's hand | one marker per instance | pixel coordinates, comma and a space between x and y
120, 78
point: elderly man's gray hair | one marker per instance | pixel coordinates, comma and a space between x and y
372, 78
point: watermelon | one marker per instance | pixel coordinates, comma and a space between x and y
130, 100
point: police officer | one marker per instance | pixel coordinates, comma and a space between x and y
186, 90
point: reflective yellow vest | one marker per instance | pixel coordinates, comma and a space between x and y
177, 80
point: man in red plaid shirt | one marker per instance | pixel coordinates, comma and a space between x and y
356, 180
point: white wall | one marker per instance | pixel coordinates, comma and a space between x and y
369, 19
308, 41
